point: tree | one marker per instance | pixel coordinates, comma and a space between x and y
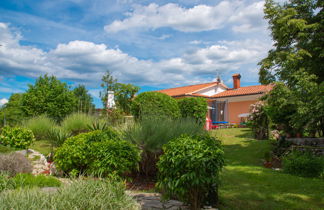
49, 96
297, 29
84, 100
296, 62
12, 113
124, 93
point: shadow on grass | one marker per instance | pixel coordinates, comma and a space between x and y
259, 188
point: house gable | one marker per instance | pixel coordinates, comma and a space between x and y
210, 91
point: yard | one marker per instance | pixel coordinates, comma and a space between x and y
246, 184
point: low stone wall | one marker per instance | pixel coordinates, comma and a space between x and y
316, 144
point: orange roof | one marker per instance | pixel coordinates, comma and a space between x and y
249, 90
186, 90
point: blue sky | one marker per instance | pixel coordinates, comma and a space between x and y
152, 44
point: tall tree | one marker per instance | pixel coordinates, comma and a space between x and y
49, 96
297, 29
84, 99
12, 112
296, 63
124, 93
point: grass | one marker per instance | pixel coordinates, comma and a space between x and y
246, 184
6, 149
42, 146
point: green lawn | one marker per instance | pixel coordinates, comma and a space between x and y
246, 184
42, 146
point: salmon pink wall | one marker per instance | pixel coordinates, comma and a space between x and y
236, 108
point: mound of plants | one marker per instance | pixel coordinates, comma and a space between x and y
81, 194
303, 163
189, 169
40, 125
98, 153
155, 104
14, 163
16, 137
150, 134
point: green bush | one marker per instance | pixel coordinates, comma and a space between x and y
303, 163
97, 152
16, 137
194, 108
189, 169
77, 123
40, 126
81, 194
14, 163
151, 134
155, 104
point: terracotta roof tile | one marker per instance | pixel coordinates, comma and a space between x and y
186, 90
249, 90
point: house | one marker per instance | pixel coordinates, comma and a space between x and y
225, 104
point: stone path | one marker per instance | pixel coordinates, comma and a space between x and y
152, 201
38, 160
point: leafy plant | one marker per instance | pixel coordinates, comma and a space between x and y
80, 194
77, 123
16, 137
151, 134
98, 125
303, 163
155, 104
98, 153
40, 126
189, 169
195, 108
14, 163
57, 136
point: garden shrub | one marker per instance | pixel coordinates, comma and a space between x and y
195, 108
259, 121
40, 126
97, 152
77, 123
189, 169
303, 163
155, 104
80, 194
16, 137
151, 134
14, 163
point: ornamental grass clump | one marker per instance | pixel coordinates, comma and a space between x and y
150, 134
189, 170
80, 194
77, 123
40, 126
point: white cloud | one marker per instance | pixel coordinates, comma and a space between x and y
3, 101
86, 62
198, 18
